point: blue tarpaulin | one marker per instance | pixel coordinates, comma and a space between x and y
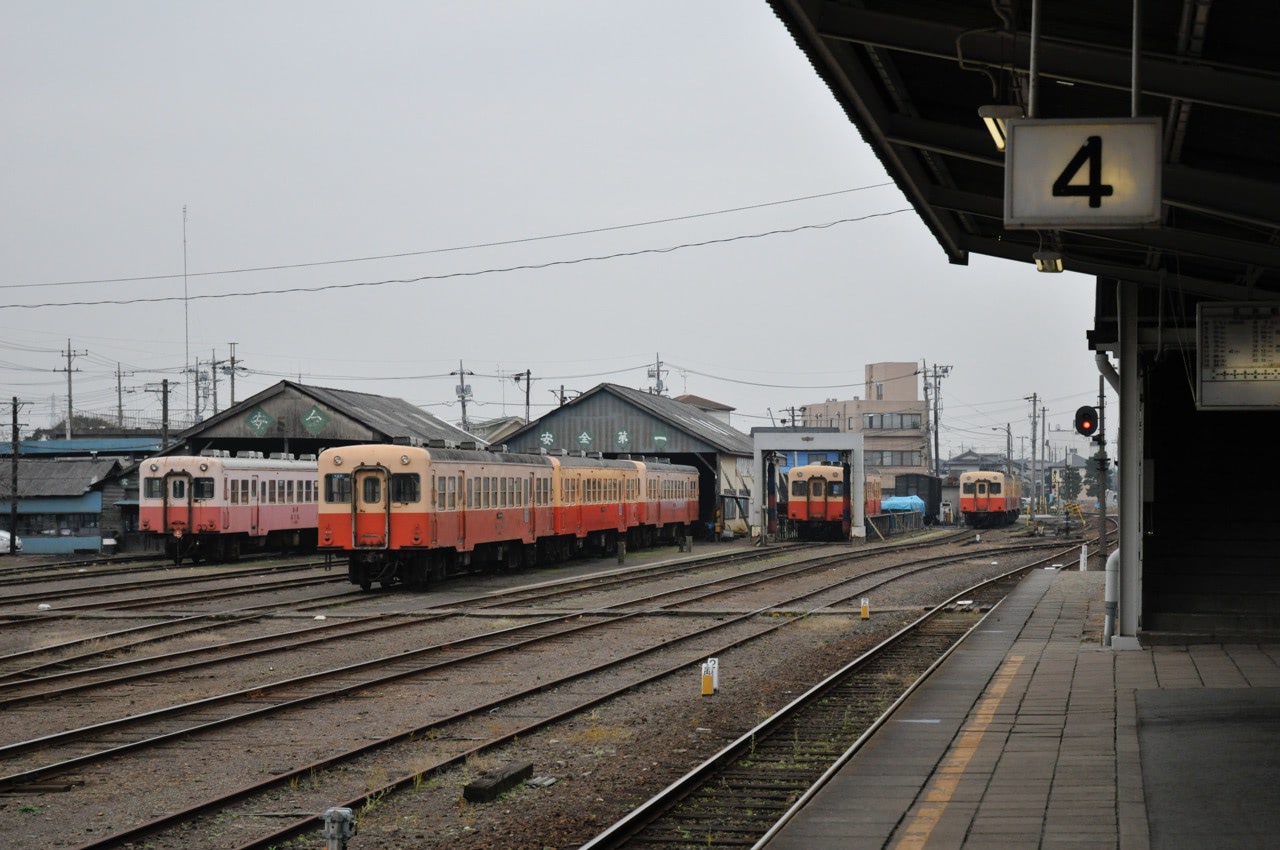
902, 503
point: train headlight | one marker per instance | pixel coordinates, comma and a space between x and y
404, 459
204, 467
337, 460
155, 467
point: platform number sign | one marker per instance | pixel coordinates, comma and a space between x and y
1082, 174
1090, 154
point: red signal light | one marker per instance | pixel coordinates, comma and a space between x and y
1087, 421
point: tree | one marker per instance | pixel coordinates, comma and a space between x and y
1092, 480
1069, 484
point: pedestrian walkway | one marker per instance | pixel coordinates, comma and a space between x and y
1033, 735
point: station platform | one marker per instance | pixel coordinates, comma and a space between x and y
1033, 735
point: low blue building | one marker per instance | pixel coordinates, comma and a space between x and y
65, 505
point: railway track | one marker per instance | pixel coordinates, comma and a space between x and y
659, 656
737, 797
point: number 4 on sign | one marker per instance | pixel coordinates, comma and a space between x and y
1095, 190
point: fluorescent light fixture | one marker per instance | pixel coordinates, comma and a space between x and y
1047, 261
995, 116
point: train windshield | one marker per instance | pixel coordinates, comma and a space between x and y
994, 487
836, 489
407, 487
153, 488
202, 488
371, 491
799, 488
337, 488
967, 488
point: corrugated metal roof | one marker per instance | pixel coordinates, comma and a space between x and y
686, 417
394, 417
84, 446
47, 478
389, 418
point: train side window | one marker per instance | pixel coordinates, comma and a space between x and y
440, 494
153, 488
337, 488
453, 492
233, 492
406, 487
471, 492
288, 489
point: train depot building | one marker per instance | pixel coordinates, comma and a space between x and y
618, 422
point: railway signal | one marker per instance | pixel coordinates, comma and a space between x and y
1087, 421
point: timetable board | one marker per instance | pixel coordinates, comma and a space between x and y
1238, 356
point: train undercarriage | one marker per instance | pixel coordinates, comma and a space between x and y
419, 568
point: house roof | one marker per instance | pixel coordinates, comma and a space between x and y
84, 446
58, 477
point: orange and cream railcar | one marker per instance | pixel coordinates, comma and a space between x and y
817, 500
989, 499
214, 507
414, 515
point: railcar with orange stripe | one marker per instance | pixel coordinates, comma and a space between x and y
989, 499
819, 501
214, 507
412, 515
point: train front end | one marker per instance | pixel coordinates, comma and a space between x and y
373, 509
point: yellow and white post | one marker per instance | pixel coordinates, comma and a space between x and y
866, 608
710, 676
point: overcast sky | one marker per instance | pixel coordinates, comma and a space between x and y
573, 188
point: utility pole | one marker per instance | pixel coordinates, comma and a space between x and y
1034, 399
939, 372
164, 414
527, 377
464, 392
70, 354
656, 373
214, 363
924, 367
1044, 453
233, 375
13, 488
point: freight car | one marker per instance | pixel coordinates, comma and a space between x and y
819, 501
214, 507
989, 499
927, 487
414, 515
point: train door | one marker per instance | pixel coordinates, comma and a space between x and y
226, 504
817, 501
255, 505
177, 502
371, 508
981, 497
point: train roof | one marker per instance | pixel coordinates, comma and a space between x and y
566, 461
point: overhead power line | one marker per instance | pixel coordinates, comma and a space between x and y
430, 251
454, 275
